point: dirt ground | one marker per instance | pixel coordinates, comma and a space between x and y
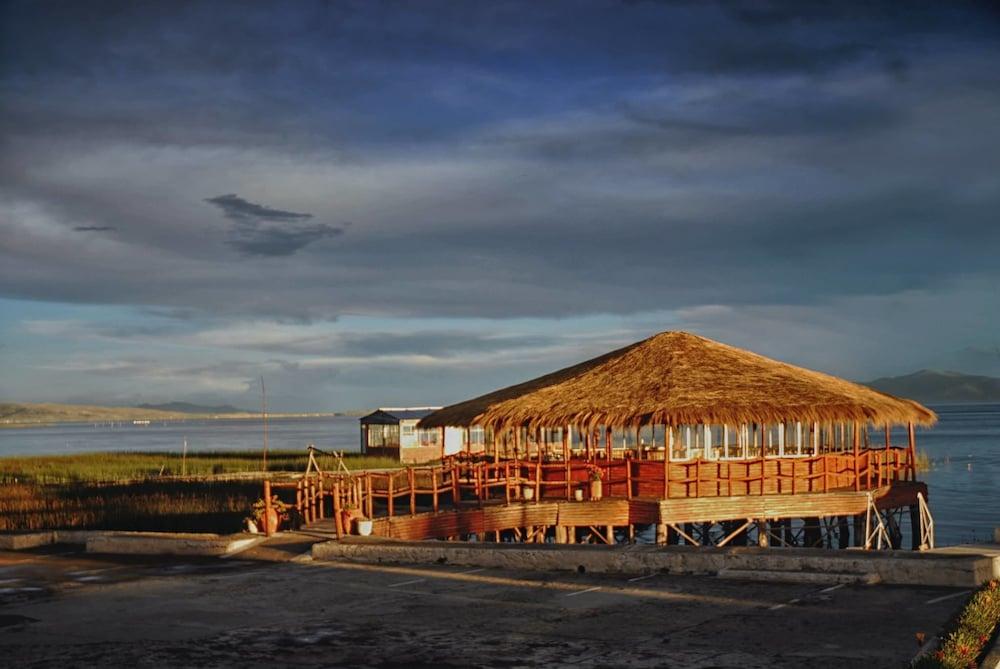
266, 607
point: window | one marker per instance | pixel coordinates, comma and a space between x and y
407, 430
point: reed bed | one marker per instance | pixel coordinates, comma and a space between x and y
163, 491
139, 466
166, 506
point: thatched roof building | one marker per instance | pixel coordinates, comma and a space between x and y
676, 378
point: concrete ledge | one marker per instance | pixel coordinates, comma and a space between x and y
24, 540
156, 543
902, 568
134, 543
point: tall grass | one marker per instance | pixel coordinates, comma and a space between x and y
145, 491
135, 466
168, 506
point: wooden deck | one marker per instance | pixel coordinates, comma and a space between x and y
498, 516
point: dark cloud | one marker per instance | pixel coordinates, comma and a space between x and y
95, 228
236, 208
253, 233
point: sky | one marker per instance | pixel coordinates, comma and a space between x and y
411, 203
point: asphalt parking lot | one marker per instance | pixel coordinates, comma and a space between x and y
62, 607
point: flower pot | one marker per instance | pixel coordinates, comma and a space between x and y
528, 492
596, 489
578, 494
268, 521
364, 527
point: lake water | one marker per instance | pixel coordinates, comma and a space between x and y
964, 447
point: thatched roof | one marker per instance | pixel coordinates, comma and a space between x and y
679, 378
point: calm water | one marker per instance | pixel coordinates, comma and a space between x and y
964, 448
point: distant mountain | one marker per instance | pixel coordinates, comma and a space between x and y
187, 407
933, 386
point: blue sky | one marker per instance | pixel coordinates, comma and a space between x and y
407, 203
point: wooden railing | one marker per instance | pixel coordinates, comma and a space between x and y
469, 480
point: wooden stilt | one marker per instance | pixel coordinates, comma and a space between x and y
762, 539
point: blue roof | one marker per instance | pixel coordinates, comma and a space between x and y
396, 415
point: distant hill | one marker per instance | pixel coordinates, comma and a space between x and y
187, 407
23, 413
933, 386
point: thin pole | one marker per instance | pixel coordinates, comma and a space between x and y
263, 415
184, 455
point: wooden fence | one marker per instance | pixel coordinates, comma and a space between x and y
462, 479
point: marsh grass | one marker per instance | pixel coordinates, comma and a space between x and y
145, 491
168, 506
138, 466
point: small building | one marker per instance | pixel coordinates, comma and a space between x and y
393, 432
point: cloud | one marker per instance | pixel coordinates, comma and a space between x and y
95, 228
253, 236
235, 207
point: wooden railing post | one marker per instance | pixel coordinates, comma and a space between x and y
267, 507
411, 478
628, 477
857, 446
434, 488
338, 516
390, 501
912, 448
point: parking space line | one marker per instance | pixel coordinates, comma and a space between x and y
641, 578
944, 597
580, 592
411, 582
473, 571
781, 606
833, 587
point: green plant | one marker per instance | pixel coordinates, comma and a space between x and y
259, 507
962, 646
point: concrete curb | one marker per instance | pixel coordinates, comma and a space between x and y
821, 565
135, 543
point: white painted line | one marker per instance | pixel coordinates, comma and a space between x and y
781, 606
833, 587
641, 578
952, 595
580, 592
416, 580
473, 571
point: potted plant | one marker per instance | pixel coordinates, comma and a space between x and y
596, 483
267, 518
364, 526
528, 492
349, 514
578, 494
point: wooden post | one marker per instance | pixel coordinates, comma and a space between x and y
610, 444
322, 505
389, 500
857, 447
298, 501
762, 539
338, 516
370, 497
569, 466
667, 430
506, 481
628, 476
538, 482
434, 488
456, 492
267, 507
413, 490
912, 451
